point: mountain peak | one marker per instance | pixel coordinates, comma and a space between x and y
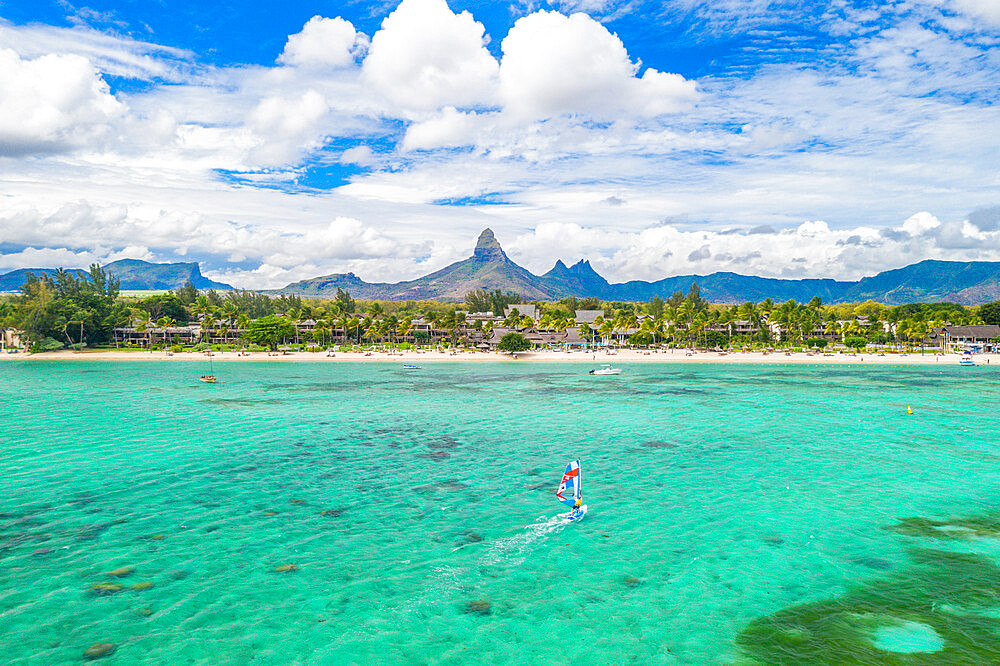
488, 248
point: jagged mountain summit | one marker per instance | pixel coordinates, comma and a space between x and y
134, 274
489, 267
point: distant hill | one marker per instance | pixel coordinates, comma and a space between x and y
968, 283
133, 273
965, 282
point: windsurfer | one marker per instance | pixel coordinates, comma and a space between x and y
572, 486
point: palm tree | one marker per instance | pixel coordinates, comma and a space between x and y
373, 328
343, 323
355, 323
200, 305
648, 327
623, 322
223, 330
207, 323
432, 317
404, 326
605, 328
165, 323
142, 324
229, 311
322, 329
295, 316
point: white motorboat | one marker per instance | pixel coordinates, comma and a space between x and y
966, 359
606, 369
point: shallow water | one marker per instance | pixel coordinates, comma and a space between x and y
718, 495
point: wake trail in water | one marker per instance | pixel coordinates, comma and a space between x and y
514, 549
445, 580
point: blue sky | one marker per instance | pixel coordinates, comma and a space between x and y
278, 141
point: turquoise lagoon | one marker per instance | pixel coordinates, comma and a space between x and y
418, 509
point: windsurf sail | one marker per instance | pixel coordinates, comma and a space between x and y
570, 488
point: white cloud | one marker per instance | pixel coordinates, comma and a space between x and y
555, 64
111, 54
324, 42
811, 249
426, 56
53, 103
359, 155
450, 128
286, 127
987, 10
895, 119
920, 223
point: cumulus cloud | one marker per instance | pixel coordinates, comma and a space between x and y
450, 128
286, 127
324, 42
889, 119
75, 234
425, 56
810, 249
920, 223
54, 103
555, 64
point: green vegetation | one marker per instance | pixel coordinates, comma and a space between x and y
856, 342
514, 342
480, 300
74, 309
269, 331
67, 308
990, 313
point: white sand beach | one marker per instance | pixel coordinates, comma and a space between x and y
617, 357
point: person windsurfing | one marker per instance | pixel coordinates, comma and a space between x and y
572, 485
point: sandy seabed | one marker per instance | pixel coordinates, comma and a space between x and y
618, 357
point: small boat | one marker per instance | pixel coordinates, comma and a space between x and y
571, 490
606, 369
210, 378
966, 359
409, 366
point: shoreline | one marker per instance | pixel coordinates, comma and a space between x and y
614, 358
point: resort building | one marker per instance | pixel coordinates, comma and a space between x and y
568, 338
523, 309
588, 316
11, 339
981, 338
182, 335
479, 316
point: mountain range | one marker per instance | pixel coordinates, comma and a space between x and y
134, 274
489, 267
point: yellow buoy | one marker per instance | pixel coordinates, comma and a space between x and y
908, 410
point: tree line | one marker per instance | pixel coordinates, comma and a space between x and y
70, 309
